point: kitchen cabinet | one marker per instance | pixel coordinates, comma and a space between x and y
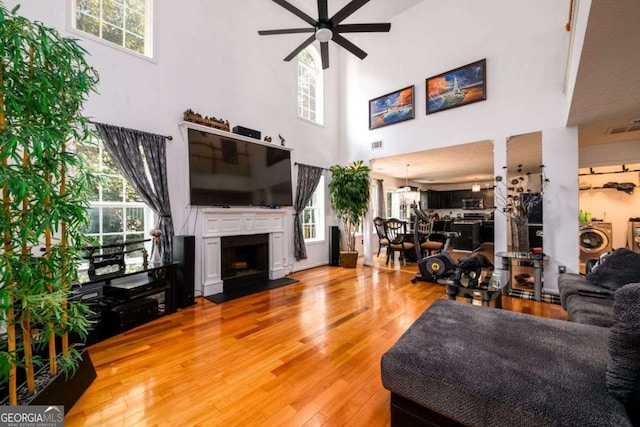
487, 232
455, 199
488, 196
430, 199
469, 239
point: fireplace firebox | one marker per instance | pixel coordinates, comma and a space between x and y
245, 260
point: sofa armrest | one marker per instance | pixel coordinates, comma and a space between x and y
599, 293
570, 283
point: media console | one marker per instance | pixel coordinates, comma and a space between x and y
126, 299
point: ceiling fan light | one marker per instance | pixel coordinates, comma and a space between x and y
324, 35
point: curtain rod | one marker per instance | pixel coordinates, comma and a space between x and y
324, 169
169, 137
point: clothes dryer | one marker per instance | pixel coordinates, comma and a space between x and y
595, 239
633, 234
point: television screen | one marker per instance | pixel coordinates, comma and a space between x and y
225, 171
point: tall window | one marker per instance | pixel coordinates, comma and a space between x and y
125, 23
313, 215
310, 87
117, 212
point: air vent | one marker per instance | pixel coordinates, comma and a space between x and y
634, 127
376, 144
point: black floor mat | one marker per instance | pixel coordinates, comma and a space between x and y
250, 289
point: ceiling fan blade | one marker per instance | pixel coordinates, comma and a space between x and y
349, 46
300, 48
363, 28
323, 10
286, 31
300, 14
346, 11
324, 53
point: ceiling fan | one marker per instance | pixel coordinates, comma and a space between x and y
325, 29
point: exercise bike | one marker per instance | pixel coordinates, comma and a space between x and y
440, 266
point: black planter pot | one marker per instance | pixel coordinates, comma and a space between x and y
59, 389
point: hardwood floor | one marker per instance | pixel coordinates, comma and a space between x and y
306, 354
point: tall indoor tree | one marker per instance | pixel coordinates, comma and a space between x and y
44, 81
349, 196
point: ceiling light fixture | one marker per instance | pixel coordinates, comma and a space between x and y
324, 35
406, 187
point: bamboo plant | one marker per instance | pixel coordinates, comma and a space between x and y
44, 81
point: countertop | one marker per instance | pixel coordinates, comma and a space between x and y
467, 221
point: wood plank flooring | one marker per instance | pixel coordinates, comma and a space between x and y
306, 354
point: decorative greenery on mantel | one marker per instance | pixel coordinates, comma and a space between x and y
44, 81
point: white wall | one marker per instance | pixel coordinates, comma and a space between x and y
560, 241
526, 48
619, 153
209, 58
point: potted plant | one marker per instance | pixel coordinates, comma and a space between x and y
44, 81
349, 194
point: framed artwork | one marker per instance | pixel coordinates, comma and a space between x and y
394, 107
457, 87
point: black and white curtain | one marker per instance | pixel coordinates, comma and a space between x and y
127, 148
308, 178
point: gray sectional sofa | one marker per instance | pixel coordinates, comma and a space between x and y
589, 299
585, 302
461, 364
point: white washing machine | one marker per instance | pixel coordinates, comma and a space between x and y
595, 239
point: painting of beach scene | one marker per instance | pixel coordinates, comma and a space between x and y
392, 108
457, 87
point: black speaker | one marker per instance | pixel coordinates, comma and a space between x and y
334, 245
184, 253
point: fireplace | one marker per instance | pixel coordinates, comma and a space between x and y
245, 260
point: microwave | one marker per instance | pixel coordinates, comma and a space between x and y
472, 204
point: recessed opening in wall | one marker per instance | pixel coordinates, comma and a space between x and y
245, 260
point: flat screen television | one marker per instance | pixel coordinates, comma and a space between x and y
229, 171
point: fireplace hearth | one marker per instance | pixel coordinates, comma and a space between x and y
245, 260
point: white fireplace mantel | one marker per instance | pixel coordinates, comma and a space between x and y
220, 222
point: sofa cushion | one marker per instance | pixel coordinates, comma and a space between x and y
590, 310
620, 267
623, 371
572, 284
491, 367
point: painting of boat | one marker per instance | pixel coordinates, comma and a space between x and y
391, 108
461, 86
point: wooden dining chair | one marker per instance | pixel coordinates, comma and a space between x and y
429, 244
396, 231
383, 241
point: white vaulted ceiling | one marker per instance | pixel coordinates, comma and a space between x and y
373, 11
607, 88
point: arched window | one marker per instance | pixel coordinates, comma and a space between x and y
310, 90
